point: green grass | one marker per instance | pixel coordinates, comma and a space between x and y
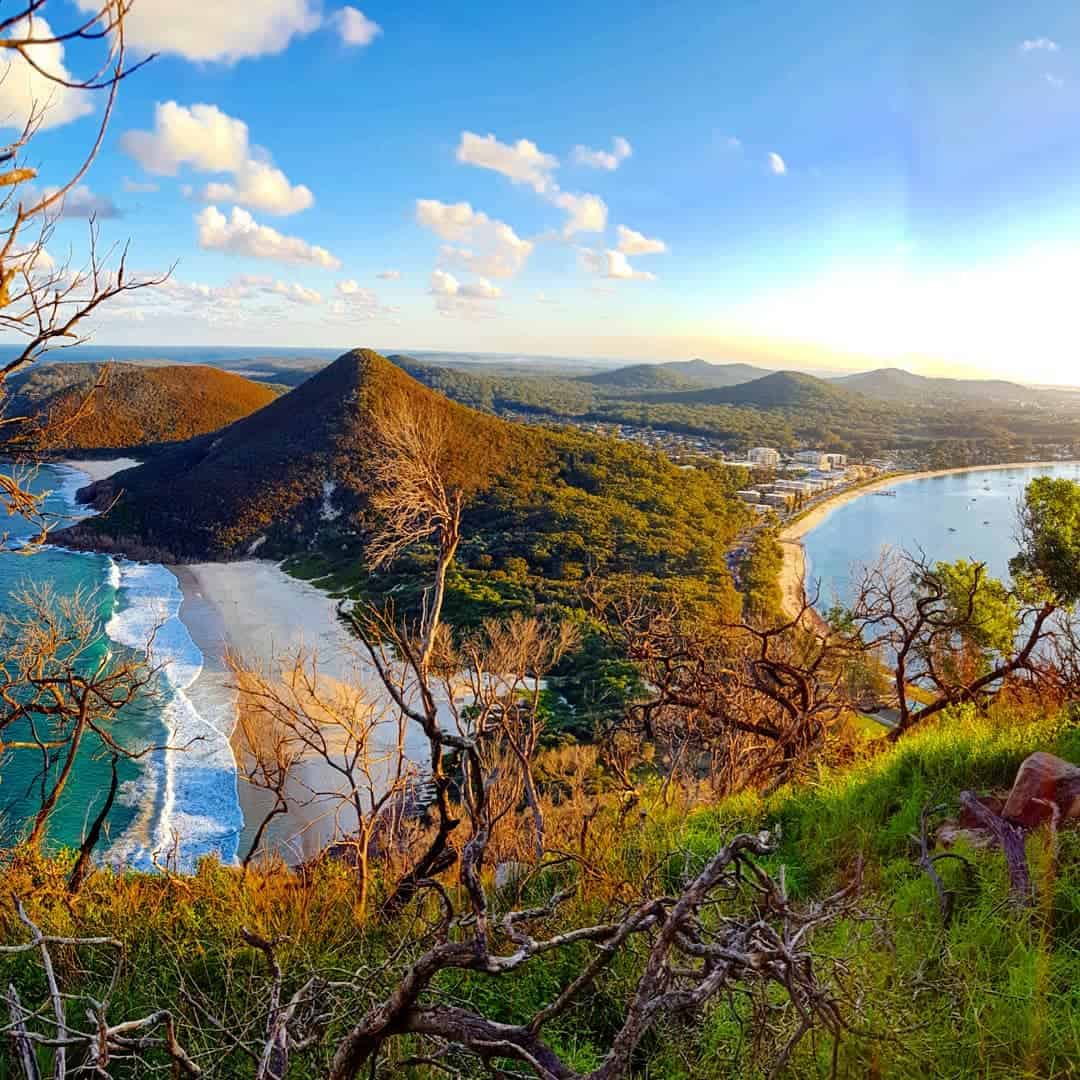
994, 996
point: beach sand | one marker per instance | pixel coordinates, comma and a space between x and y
100, 470
793, 571
255, 611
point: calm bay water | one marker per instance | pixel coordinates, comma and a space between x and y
181, 796
970, 515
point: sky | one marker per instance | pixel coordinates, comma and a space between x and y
816, 186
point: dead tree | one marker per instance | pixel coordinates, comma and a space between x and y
949, 637
757, 700
292, 715
87, 1046
44, 301
55, 696
689, 956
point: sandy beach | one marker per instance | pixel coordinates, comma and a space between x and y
793, 571
254, 610
100, 469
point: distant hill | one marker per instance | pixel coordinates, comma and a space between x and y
675, 375
780, 390
270, 476
895, 384
138, 405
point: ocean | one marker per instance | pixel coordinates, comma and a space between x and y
970, 515
179, 802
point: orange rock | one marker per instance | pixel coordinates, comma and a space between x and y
1050, 779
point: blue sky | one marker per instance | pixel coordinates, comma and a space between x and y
819, 185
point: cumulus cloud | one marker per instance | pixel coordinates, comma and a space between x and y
632, 242
355, 301
604, 159
494, 249
455, 298
209, 140
523, 162
26, 92
584, 213
355, 27
138, 187
389, 275
1040, 44
215, 29
81, 202
612, 264
241, 234
777, 165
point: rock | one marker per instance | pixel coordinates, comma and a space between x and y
1050, 779
949, 834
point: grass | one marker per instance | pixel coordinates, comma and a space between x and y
995, 995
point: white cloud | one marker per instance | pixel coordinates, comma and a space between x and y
585, 213
241, 234
494, 250
604, 159
1054, 80
210, 140
523, 163
389, 275
354, 301
612, 264
81, 202
136, 187
777, 165
470, 300
1040, 44
635, 243
227, 30
25, 92
355, 27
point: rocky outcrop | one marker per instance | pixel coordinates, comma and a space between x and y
1042, 782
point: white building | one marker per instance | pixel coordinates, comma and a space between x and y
816, 459
765, 455
837, 461
749, 496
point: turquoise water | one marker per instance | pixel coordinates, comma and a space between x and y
179, 801
970, 515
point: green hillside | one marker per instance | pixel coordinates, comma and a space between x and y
895, 384
546, 507
675, 375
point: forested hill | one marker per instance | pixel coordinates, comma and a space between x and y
895, 384
136, 405
675, 375
546, 509
780, 390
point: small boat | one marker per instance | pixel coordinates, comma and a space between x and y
952, 530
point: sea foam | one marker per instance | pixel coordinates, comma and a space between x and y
192, 780
188, 790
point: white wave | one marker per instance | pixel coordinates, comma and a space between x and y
71, 480
192, 784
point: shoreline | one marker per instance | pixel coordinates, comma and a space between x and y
255, 611
790, 537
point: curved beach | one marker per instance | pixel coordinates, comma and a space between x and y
793, 569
